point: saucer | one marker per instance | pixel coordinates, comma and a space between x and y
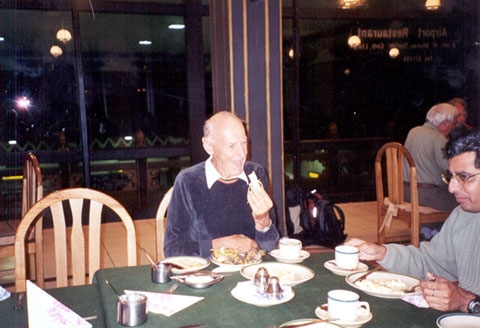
303, 256
246, 292
361, 320
330, 265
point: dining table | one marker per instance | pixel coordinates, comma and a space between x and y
219, 308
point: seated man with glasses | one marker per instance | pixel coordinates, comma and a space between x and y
450, 262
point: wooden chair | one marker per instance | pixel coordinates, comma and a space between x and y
160, 222
76, 198
32, 191
393, 204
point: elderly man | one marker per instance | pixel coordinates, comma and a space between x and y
461, 126
449, 263
212, 205
425, 143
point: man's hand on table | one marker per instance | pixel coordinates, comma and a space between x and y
368, 251
239, 242
261, 204
445, 295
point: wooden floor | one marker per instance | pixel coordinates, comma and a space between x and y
360, 222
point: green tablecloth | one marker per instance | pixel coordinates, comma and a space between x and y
220, 309
84, 300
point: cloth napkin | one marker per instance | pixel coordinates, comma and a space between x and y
166, 304
46, 311
4, 294
416, 300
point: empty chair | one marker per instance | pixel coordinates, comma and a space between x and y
392, 203
76, 198
160, 222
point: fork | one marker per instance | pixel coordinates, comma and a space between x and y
365, 275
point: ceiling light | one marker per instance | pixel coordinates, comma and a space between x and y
56, 51
433, 4
394, 52
176, 26
354, 41
64, 35
145, 42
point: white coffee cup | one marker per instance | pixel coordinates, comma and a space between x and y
290, 248
345, 305
347, 257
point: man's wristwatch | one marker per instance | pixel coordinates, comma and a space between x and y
474, 305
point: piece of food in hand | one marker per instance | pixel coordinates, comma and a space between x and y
232, 256
255, 185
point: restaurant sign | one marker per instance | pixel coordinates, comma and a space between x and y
414, 44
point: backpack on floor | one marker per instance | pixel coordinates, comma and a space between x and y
323, 222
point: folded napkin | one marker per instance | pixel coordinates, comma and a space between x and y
166, 304
416, 300
4, 294
46, 311
246, 291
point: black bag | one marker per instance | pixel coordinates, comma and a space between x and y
293, 204
323, 222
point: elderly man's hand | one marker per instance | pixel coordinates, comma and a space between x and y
368, 251
239, 242
445, 295
261, 204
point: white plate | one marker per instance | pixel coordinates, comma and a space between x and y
458, 320
313, 325
190, 263
245, 292
288, 274
303, 255
408, 280
330, 265
231, 267
361, 320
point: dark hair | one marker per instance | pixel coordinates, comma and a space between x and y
464, 144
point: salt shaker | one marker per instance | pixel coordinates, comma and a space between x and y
261, 280
274, 290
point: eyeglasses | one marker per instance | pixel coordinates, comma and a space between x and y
461, 178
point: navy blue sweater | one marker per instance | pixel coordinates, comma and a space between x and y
196, 214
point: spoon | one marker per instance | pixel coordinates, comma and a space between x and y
294, 325
19, 305
148, 256
116, 292
365, 275
411, 289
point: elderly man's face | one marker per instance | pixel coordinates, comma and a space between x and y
229, 146
462, 115
466, 193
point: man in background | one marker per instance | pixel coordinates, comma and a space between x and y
425, 143
214, 204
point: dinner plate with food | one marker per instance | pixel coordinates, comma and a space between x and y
385, 284
288, 274
186, 264
229, 259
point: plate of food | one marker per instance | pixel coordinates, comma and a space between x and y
233, 260
384, 284
288, 274
186, 264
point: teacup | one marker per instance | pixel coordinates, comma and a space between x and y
347, 257
290, 248
345, 305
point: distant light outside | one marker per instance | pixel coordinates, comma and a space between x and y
145, 42
12, 142
128, 138
23, 102
176, 26
2, 39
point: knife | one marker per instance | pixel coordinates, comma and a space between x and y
194, 326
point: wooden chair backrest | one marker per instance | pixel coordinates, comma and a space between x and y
76, 198
395, 157
160, 222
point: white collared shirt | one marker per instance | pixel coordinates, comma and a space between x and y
212, 174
